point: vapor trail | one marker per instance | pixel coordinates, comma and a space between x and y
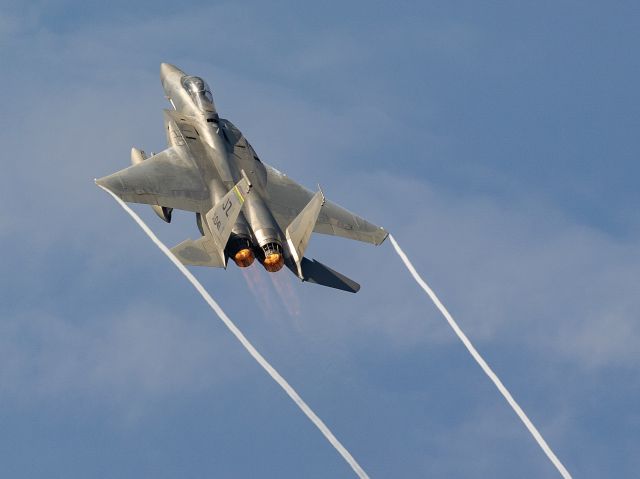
247, 345
485, 367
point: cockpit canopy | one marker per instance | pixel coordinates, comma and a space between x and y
200, 93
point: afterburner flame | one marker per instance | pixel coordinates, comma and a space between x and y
244, 258
273, 262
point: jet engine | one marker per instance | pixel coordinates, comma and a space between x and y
273, 258
164, 213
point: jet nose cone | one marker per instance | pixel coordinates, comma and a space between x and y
167, 70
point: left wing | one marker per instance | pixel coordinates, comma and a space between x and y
170, 178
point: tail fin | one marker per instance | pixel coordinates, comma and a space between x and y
299, 231
209, 250
221, 218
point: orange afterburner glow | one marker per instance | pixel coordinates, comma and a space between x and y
274, 262
244, 257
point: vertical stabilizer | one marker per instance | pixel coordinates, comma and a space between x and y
299, 231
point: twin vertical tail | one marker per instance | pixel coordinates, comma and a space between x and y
209, 250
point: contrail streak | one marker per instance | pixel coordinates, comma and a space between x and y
247, 345
485, 367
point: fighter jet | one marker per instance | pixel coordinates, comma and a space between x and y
244, 208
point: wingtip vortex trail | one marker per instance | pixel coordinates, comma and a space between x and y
481, 362
275, 375
296, 397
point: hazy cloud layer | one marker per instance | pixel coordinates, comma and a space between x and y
139, 353
462, 133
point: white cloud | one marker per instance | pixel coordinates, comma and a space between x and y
123, 357
516, 274
500, 267
513, 270
520, 272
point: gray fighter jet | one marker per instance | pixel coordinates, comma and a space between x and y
245, 209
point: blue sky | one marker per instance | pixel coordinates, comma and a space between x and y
498, 143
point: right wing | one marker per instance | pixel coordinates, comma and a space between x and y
286, 199
171, 179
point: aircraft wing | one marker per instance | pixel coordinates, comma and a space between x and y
286, 199
171, 179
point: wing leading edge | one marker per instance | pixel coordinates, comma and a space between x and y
170, 179
286, 199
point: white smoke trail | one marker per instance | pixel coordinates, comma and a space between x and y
247, 345
288, 297
260, 290
485, 367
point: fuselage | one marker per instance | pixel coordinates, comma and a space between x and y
222, 152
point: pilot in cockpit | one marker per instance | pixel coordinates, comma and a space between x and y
200, 93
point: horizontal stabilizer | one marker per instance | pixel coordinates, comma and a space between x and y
201, 252
315, 272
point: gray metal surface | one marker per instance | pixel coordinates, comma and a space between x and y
299, 231
205, 159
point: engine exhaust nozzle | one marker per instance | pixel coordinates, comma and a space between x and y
273, 257
241, 252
